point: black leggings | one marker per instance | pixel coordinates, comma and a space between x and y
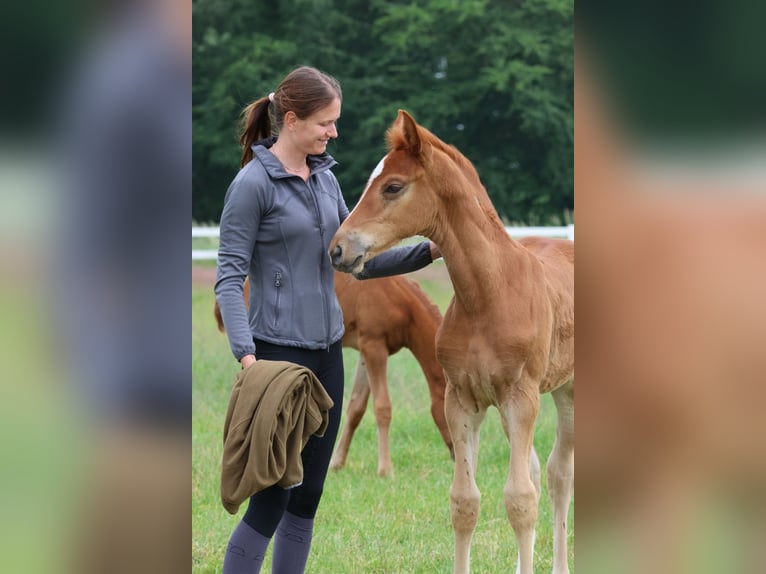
267, 506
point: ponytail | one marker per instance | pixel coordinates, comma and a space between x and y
256, 125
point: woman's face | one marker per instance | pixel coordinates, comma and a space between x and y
313, 132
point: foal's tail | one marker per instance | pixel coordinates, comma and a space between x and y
218, 318
217, 309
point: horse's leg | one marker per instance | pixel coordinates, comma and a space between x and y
534, 460
437, 411
561, 474
357, 405
534, 470
377, 361
521, 496
465, 497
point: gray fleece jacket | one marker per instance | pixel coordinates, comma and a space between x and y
276, 230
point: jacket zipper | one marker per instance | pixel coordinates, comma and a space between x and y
278, 285
325, 304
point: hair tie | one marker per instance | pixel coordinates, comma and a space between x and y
271, 97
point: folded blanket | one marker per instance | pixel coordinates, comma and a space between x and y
275, 406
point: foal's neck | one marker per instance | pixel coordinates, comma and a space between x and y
478, 252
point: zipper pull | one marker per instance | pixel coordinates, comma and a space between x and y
321, 229
278, 279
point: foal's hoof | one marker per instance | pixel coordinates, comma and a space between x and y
386, 472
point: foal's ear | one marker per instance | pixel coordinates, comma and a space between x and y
405, 123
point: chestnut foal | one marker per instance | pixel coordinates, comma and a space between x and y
507, 336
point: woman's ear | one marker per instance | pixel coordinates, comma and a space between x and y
290, 120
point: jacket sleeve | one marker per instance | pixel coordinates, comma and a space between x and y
397, 261
239, 227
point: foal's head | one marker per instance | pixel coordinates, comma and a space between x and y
399, 201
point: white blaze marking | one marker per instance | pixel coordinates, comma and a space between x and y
375, 173
378, 170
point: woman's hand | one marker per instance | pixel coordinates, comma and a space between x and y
247, 360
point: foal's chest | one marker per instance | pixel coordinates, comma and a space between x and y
480, 364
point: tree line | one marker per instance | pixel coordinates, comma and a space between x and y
494, 78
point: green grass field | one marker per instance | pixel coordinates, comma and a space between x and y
366, 524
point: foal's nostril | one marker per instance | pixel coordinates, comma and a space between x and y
336, 255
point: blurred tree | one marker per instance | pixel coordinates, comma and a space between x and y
493, 78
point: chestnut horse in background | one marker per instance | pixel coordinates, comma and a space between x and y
507, 336
380, 317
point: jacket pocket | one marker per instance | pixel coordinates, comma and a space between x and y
277, 296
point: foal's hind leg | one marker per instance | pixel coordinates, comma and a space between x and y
357, 405
464, 494
561, 473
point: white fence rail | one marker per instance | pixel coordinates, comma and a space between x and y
200, 254
515, 232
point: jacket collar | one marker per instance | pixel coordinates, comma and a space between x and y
316, 163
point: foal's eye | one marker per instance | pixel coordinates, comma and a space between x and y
393, 188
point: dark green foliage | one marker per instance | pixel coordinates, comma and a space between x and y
493, 78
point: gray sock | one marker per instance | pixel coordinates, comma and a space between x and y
246, 550
292, 543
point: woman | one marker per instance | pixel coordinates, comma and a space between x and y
279, 215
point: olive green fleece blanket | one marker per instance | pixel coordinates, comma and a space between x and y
275, 406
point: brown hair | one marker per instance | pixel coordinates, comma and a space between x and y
303, 91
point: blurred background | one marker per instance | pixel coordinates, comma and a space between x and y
670, 180
95, 179
95, 203
493, 78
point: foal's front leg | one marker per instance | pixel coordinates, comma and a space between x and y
521, 497
376, 357
465, 497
